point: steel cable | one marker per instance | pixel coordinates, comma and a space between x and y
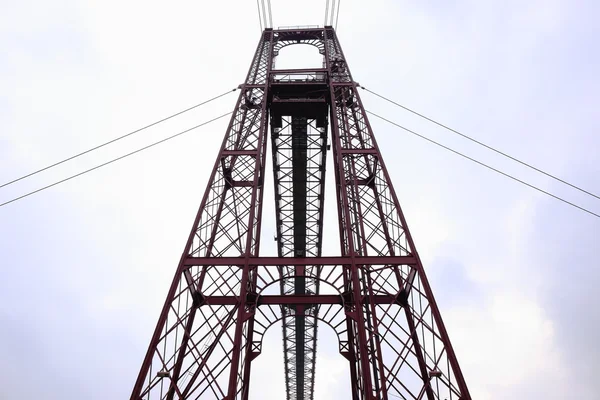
485, 165
332, 12
337, 15
114, 160
264, 13
259, 20
270, 14
116, 139
484, 145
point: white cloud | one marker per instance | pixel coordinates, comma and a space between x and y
510, 341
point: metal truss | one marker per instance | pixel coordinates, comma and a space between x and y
374, 295
299, 149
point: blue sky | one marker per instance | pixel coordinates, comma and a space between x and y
85, 265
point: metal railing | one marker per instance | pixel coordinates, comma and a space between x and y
299, 77
291, 28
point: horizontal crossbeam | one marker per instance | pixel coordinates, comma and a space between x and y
289, 261
297, 71
295, 300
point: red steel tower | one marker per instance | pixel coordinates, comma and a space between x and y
374, 295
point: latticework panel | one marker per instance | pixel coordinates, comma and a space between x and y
299, 149
308, 143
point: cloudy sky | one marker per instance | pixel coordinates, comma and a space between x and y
85, 266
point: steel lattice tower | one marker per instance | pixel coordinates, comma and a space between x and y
374, 295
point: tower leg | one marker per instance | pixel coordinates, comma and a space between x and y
410, 358
198, 346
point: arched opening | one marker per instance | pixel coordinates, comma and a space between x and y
298, 56
332, 376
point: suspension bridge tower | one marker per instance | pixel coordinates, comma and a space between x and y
374, 294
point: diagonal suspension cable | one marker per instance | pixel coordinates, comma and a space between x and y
114, 160
485, 165
117, 139
483, 144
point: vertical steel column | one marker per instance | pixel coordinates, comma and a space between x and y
245, 312
356, 333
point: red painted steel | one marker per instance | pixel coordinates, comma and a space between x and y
374, 295
273, 261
